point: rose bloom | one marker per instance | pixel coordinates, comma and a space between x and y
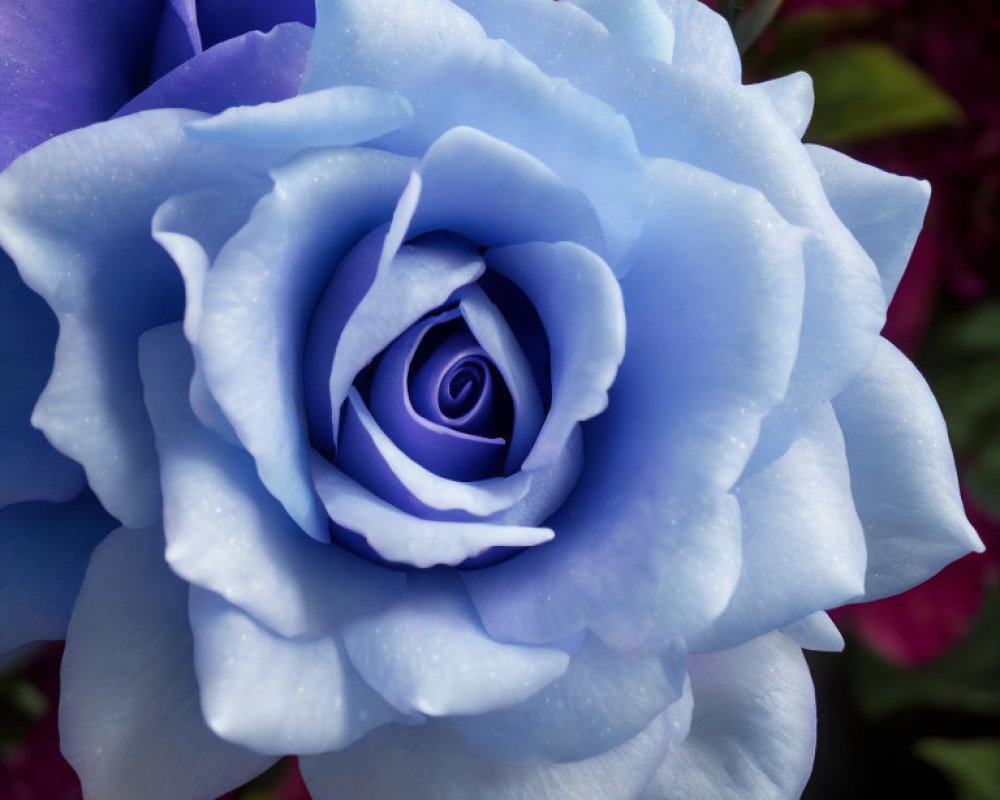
494, 417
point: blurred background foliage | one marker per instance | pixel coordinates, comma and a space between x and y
912, 708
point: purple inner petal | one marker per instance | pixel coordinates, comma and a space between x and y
435, 356
177, 39
452, 382
526, 325
254, 68
219, 20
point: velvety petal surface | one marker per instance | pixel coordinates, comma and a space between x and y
363, 43
129, 718
454, 77
567, 41
566, 283
400, 538
641, 26
31, 469
803, 547
697, 112
648, 546
844, 302
493, 193
431, 762
75, 216
488, 326
883, 211
250, 69
227, 534
603, 700
793, 98
68, 64
703, 41
44, 549
192, 228
902, 476
343, 115
584, 142
259, 295
429, 654
753, 731
815, 632
275, 695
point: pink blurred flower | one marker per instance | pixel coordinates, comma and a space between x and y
291, 786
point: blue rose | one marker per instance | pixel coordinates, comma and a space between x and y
494, 418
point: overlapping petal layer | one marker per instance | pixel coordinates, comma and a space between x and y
129, 706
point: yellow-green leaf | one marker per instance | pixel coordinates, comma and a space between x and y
865, 91
971, 765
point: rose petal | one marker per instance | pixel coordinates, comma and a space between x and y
98, 188
454, 454
495, 194
498, 340
409, 282
177, 37
603, 700
226, 533
692, 121
68, 64
192, 228
567, 283
253, 68
371, 458
44, 548
815, 632
648, 546
307, 696
401, 538
576, 136
129, 721
428, 654
902, 476
883, 211
641, 26
792, 97
753, 732
703, 41
431, 762
343, 115
803, 548
260, 293
375, 45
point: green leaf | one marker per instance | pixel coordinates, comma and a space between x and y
971, 765
866, 91
966, 679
